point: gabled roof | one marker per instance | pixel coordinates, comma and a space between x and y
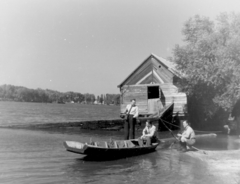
167, 64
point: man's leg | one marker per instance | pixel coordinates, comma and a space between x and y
183, 144
148, 141
132, 122
126, 130
140, 142
190, 143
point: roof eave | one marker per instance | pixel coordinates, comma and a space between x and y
134, 71
159, 60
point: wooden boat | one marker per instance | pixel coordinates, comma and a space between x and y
113, 149
117, 149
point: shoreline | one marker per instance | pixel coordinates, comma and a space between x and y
85, 124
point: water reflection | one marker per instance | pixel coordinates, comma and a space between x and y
233, 142
39, 157
221, 142
168, 166
124, 170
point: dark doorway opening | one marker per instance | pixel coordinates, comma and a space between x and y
153, 92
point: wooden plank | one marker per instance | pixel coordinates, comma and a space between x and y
157, 81
138, 101
135, 89
139, 76
168, 88
142, 85
148, 80
138, 104
139, 92
153, 106
135, 92
115, 144
163, 72
167, 85
106, 144
165, 78
137, 96
141, 108
163, 69
141, 72
125, 144
132, 94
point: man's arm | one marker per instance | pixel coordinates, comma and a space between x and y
143, 132
127, 108
152, 132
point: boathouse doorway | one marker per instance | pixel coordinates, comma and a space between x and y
154, 99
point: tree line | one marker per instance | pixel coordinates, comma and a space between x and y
23, 94
210, 63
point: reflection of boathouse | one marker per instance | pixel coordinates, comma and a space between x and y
153, 85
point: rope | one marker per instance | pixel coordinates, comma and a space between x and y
200, 131
169, 129
170, 123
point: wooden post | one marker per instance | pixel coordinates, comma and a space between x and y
115, 144
106, 144
125, 144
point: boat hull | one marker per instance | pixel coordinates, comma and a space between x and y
101, 152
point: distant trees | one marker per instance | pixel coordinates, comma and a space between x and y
89, 98
23, 94
112, 99
210, 62
109, 99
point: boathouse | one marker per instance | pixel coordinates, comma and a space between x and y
154, 86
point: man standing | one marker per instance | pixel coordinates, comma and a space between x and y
187, 138
129, 126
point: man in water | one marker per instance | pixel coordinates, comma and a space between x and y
129, 126
148, 134
187, 138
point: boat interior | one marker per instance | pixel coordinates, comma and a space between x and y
116, 144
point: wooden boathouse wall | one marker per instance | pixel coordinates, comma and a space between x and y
153, 85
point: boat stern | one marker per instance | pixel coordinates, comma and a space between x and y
76, 147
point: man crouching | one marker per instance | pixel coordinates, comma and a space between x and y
187, 138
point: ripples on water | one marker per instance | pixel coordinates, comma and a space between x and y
39, 157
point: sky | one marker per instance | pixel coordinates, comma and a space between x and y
90, 46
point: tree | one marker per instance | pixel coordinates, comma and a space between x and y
18, 93
210, 62
98, 99
101, 98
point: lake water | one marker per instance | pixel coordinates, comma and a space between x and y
16, 113
38, 157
